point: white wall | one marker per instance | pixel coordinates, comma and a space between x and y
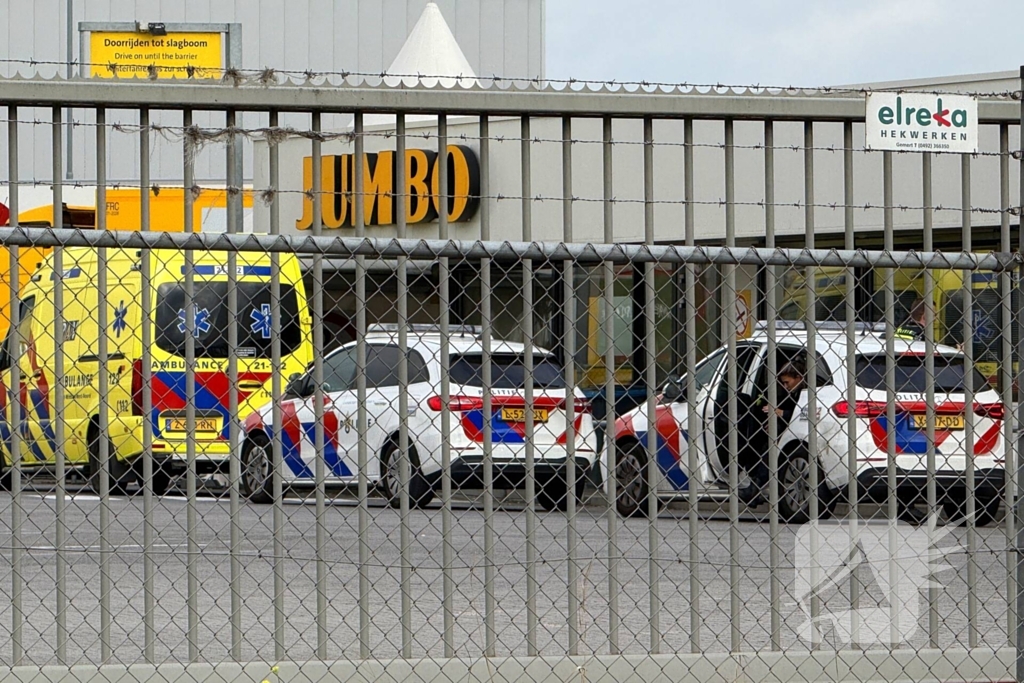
709, 181
499, 37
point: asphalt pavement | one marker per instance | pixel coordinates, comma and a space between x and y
212, 567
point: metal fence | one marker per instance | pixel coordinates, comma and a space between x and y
307, 457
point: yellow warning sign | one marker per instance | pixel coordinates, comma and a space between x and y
141, 55
744, 314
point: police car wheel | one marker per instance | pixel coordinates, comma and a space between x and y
631, 481
119, 473
257, 470
795, 490
421, 493
553, 491
986, 509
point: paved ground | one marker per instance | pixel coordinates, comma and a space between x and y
342, 586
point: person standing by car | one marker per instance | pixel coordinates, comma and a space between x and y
755, 461
913, 328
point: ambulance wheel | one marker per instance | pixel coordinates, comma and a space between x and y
258, 469
162, 477
795, 490
631, 485
421, 492
119, 473
5, 475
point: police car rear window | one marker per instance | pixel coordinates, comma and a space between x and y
507, 371
911, 374
208, 319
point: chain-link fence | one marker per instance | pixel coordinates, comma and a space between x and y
311, 456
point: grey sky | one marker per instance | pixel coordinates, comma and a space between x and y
781, 42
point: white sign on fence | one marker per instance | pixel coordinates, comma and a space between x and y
921, 122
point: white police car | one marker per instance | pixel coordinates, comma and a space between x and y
466, 426
872, 428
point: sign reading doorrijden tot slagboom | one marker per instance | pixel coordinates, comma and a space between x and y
422, 166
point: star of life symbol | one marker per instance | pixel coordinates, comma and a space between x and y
261, 318
120, 319
201, 321
892, 558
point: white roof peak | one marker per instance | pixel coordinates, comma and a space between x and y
431, 50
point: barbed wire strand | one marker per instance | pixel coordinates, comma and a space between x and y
268, 76
266, 195
201, 136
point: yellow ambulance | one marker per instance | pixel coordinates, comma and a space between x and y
206, 319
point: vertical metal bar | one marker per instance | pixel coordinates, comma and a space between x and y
969, 389
319, 466
362, 419
530, 488
1018, 508
103, 421
448, 552
14, 401
59, 454
608, 330
1018, 473
890, 397
192, 526
405, 469
490, 636
692, 424
277, 416
732, 409
234, 182
1006, 376
774, 559
853, 495
148, 494
651, 381
931, 491
810, 315
569, 347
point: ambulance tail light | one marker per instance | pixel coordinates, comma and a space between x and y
137, 388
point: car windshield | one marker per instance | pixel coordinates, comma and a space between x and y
911, 374
210, 318
507, 371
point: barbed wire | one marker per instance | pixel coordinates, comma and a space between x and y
201, 136
268, 76
266, 195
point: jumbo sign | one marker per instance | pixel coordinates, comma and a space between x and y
337, 173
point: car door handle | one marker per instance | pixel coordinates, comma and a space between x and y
250, 385
37, 373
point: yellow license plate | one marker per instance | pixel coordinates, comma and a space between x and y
203, 424
519, 414
947, 422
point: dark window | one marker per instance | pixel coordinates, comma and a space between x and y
210, 319
382, 367
507, 371
7, 354
911, 375
340, 370
745, 356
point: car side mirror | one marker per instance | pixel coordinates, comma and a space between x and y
299, 386
675, 390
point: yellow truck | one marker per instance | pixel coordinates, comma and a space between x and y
909, 285
123, 212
